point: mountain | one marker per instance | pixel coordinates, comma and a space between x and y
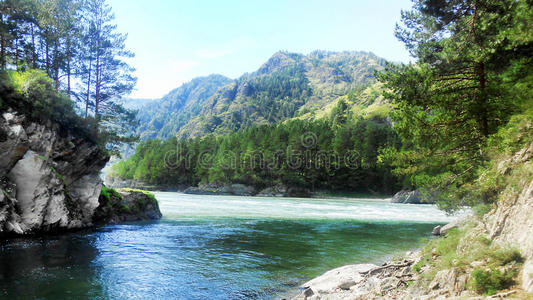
288, 85
163, 118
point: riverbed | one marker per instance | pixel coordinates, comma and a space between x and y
214, 247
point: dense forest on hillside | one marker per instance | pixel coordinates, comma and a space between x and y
336, 154
164, 117
286, 86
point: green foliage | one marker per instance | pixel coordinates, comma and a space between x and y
125, 207
504, 256
106, 192
286, 86
309, 154
109, 192
33, 94
165, 117
489, 282
482, 209
472, 74
73, 42
459, 249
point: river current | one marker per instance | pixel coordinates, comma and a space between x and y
213, 247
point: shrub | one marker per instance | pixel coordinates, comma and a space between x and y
482, 209
488, 282
504, 256
33, 93
108, 192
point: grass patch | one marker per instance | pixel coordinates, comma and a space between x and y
108, 192
125, 207
459, 249
482, 209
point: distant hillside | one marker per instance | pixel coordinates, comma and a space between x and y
286, 86
163, 118
136, 103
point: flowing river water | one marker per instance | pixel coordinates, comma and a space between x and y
213, 247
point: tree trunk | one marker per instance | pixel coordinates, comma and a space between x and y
16, 58
484, 126
34, 50
47, 55
3, 52
56, 64
68, 64
88, 99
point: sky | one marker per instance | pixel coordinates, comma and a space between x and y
177, 40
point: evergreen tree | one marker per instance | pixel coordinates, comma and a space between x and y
457, 93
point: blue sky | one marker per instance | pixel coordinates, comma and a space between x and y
177, 40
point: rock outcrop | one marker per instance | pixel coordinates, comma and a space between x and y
49, 178
511, 223
126, 206
408, 197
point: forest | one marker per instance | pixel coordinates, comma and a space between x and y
340, 154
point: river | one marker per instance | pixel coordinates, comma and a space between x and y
213, 247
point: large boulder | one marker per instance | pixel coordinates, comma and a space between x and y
409, 197
340, 278
126, 205
49, 177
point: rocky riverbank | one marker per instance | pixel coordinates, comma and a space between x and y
246, 190
486, 256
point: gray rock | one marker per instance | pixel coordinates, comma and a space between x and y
49, 180
408, 197
298, 192
199, 191
242, 190
127, 206
436, 230
274, 191
306, 294
456, 223
343, 277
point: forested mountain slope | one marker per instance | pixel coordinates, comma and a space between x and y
163, 118
287, 85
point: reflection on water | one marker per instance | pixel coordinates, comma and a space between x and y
200, 257
49, 267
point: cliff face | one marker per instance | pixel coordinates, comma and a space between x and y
511, 223
49, 179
